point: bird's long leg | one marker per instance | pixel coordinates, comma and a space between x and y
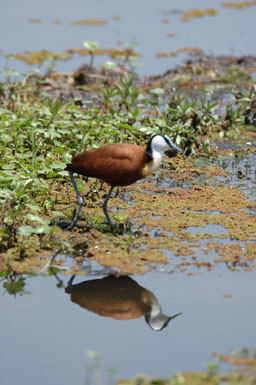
70, 281
105, 210
117, 192
79, 201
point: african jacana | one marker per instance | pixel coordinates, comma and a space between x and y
121, 298
118, 164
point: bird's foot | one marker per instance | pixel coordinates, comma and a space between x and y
111, 225
70, 206
66, 225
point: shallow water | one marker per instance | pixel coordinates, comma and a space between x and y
45, 336
229, 32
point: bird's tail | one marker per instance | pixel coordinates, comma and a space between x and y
69, 167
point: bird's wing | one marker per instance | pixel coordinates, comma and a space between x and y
117, 164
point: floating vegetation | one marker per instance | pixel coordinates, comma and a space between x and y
196, 12
85, 51
38, 138
235, 368
165, 54
239, 369
238, 5
192, 50
116, 17
165, 20
89, 22
189, 50
39, 57
100, 51
35, 21
244, 359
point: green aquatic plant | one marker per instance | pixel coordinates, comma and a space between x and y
91, 46
155, 99
38, 137
122, 98
128, 93
235, 75
246, 103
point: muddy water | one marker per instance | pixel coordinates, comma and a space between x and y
45, 336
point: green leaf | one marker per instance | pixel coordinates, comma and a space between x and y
93, 354
91, 45
6, 138
42, 229
26, 231
178, 139
160, 122
35, 218
110, 65
33, 207
157, 91
5, 194
14, 287
8, 166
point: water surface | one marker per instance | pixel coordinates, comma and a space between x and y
45, 336
147, 23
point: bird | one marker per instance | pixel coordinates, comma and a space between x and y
118, 164
121, 298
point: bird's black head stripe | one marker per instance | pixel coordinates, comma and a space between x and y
149, 149
149, 146
167, 140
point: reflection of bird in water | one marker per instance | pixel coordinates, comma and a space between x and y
121, 298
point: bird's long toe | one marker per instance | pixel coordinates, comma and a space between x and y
65, 225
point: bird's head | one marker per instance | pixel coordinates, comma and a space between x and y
159, 321
160, 143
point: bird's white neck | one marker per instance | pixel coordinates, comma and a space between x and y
157, 159
155, 318
151, 166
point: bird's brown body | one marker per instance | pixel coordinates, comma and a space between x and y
119, 164
121, 298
